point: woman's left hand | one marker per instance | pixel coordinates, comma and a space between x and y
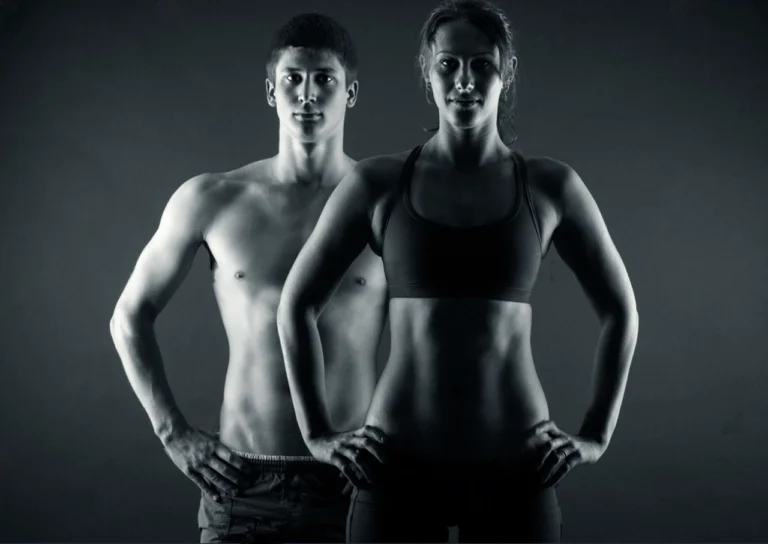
561, 452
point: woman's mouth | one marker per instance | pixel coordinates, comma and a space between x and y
465, 102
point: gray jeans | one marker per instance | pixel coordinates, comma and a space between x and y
288, 500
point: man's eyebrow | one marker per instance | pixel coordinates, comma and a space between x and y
321, 69
451, 52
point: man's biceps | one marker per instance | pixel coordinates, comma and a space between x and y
157, 276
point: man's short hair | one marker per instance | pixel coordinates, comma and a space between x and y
318, 32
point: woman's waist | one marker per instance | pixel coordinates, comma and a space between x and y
461, 440
478, 422
436, 370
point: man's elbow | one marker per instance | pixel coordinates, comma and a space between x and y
126, 322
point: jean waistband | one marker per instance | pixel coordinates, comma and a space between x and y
278, 461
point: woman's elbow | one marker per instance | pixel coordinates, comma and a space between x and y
622, 312
291, 310
626, 318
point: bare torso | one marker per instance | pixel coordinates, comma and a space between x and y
256, 232
460, 382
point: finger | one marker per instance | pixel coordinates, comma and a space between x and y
358, 463
550, 463
349, 467
370, 445
346, 468
218, 481
228, 472
556, 460
539, 434
231, 458
570, 461
375, 433
347, 491
204, 486
541, 429
548, 448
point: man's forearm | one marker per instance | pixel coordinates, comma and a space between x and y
139, 352
615, 349
305, 368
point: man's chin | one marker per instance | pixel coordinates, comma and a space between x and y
309, 134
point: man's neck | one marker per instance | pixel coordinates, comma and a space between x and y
317, 163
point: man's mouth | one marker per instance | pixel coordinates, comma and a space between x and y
304, 116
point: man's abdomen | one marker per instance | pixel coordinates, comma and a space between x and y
257, 414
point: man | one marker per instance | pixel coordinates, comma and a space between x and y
257, 478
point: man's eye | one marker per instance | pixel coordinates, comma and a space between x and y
293, 78
447, 63
324, 79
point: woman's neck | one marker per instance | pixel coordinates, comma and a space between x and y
468, 149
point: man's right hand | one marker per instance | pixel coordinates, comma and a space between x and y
213, 467
354, 453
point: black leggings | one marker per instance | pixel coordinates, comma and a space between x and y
416, 500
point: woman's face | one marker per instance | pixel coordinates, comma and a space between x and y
465, 75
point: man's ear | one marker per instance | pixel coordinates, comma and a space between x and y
270, 93
352, 91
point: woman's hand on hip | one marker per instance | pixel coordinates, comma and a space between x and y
355, 453
556, 452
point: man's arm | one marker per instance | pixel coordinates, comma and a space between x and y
340, 235
160, 269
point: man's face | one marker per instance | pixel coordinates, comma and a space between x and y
311, 93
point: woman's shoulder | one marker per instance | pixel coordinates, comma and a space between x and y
551, 178
379, 173
379, 165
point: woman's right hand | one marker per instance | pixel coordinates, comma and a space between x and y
355, 453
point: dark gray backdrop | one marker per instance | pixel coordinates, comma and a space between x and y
107, 106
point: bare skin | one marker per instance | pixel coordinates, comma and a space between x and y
460, 382
252, 222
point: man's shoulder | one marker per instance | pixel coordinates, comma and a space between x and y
217, 188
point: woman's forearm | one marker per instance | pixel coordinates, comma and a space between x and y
304, 365
615, 350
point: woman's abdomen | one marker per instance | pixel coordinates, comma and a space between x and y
460, 381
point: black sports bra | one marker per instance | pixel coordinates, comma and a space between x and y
424, 259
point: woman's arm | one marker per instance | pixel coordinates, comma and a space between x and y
340, 235
582, 240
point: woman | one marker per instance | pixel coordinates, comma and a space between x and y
458, 432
